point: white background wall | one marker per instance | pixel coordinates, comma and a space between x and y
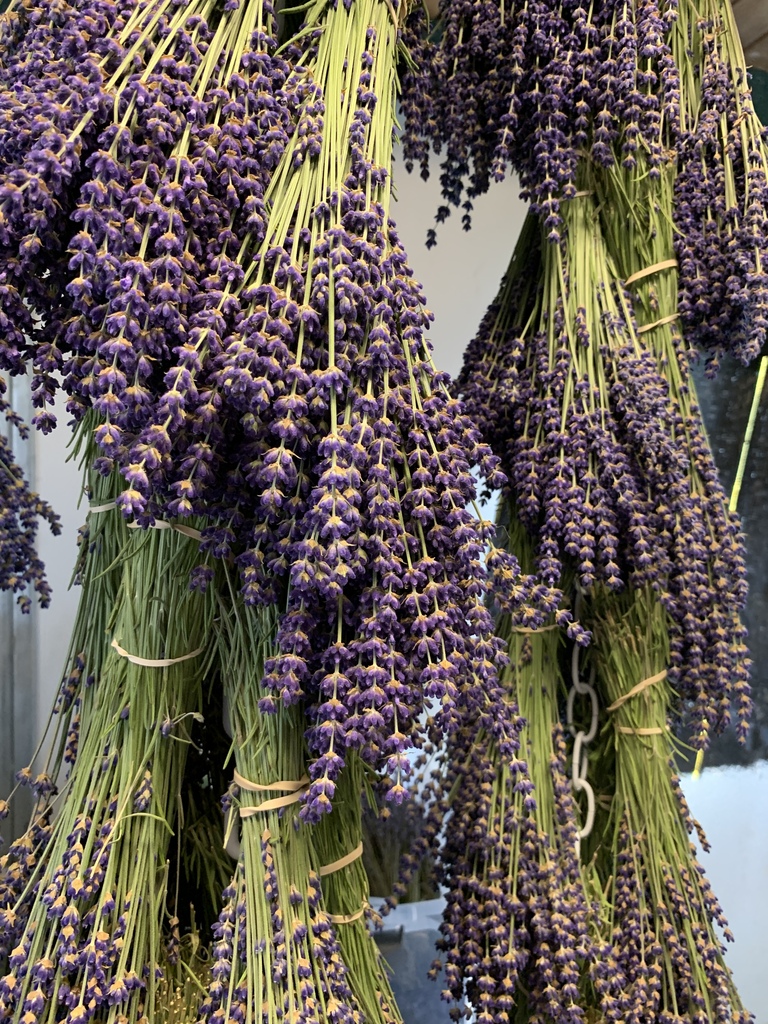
460, 277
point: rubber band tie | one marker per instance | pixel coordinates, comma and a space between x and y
653, 269
658, 323
342, 862
162, 524
295, 790
155, 662
349, 918
638, 688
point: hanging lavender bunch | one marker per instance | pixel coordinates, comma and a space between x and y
721, 192
39, 186
533, 87
275, 944
572, 400
91, 944
706, 589
519, 934
357, 460
98, 574
665, 922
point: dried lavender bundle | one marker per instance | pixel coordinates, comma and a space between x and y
98, 573
667, 957
154, 299
91, 946
721, 191
519, 933
276, 955
338, 842
575, 405
355, 461
706, 588
21, 512
534, 87
539, 87
131, 66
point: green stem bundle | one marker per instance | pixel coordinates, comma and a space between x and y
92, 936
666, 948
337, 838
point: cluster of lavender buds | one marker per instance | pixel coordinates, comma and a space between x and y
706, 588
604, 450
536, 87
83, 938
98, 575
347, 467
95, 52
519, 929
238, 312
665, 925
540, 88
21, 511
721, 193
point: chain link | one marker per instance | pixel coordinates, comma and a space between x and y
580, 761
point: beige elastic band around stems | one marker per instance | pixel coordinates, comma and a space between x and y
162, 524
658, 323
638, 688
349, 918
295, 790
155, 662
342, 862
653, 269
107, 506
531, 629
651, 730
585, 194
281, 786
272, 805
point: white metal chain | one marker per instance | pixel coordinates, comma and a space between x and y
580, 761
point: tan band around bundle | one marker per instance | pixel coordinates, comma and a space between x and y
154, 662
658, 323
651, 730
349, 918
638, 688
342, 862
653, 269
282, 786
163, 524
295, 791
107, 506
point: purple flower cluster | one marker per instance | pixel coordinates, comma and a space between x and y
331, 452
721, 201
21, 510
608, 473
705, 589
535, 86
539, 87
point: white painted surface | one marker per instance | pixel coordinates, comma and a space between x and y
730, 805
